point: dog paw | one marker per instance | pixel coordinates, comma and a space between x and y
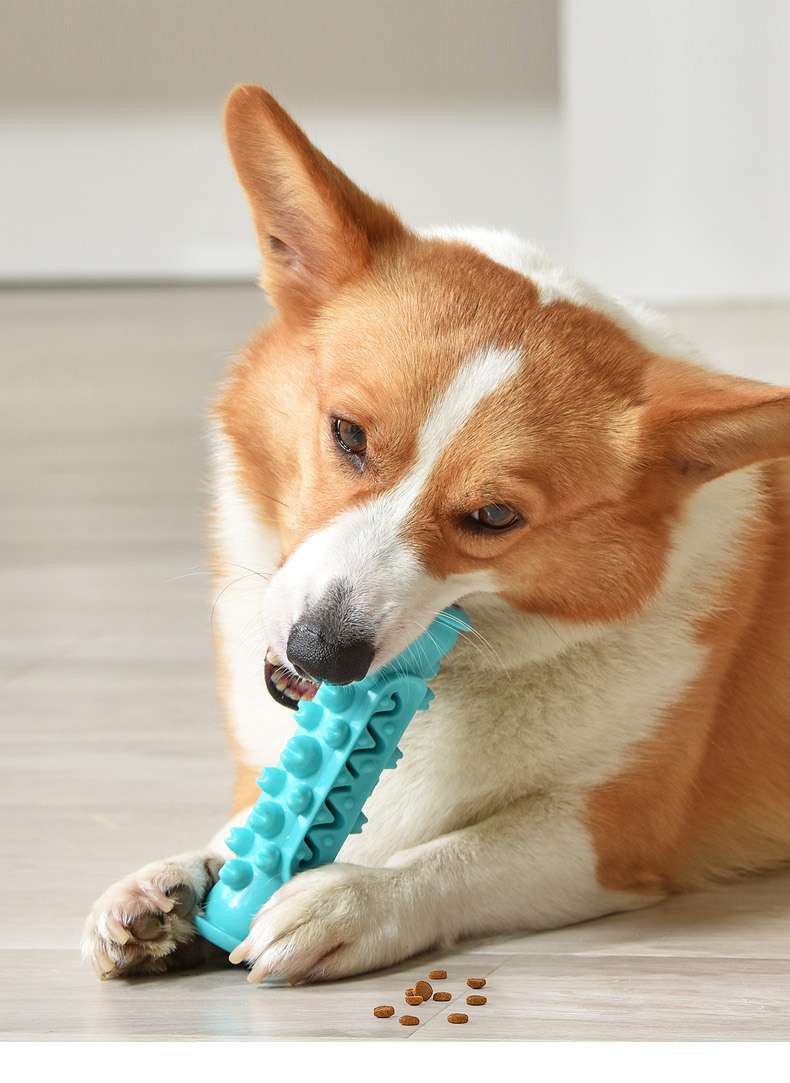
144, 924
330, 922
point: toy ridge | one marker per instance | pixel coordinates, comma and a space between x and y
312, 800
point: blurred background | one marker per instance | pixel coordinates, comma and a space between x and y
644, 142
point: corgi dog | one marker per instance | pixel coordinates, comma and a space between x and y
447, 416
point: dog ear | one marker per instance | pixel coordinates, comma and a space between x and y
704, 424
315, 228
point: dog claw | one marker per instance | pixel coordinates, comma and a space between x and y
164, 902
238, 953
118, 930
104, 966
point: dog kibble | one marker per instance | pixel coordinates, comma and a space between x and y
475, 983
442, 996
457, 1017
409, 1021
423, 989
477, 1000
384, 1011
410, 992
437, 975
414, 1001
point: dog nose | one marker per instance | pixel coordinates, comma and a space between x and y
338, 659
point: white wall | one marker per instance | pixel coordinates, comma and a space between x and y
111, 155
678, 145
90, 195
647, 141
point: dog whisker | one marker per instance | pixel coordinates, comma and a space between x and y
473, 635
227, 587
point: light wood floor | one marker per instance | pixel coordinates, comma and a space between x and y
110, 751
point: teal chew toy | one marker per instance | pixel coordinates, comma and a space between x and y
312, 800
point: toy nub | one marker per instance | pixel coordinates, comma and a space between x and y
312, 800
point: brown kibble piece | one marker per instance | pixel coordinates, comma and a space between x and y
477, 1000
384, 1011
437, 975
475, 983
457, 1017
410, 992
414, 1001
442, 996
409, 1021
423, 989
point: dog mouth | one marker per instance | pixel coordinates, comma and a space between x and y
285, 687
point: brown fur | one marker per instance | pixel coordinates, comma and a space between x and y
709, 793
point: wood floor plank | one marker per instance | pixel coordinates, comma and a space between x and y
750, 918
48, 995
635, 998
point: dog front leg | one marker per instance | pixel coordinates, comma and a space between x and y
529, 866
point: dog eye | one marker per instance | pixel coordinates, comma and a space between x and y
349, 437
494, 517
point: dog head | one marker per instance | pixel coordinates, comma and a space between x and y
422, 422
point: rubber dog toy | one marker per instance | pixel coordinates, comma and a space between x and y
312, 800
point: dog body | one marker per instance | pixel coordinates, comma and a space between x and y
448, 416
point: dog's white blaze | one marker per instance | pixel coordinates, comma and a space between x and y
363, 545
477, 378
366, 546
480, 376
